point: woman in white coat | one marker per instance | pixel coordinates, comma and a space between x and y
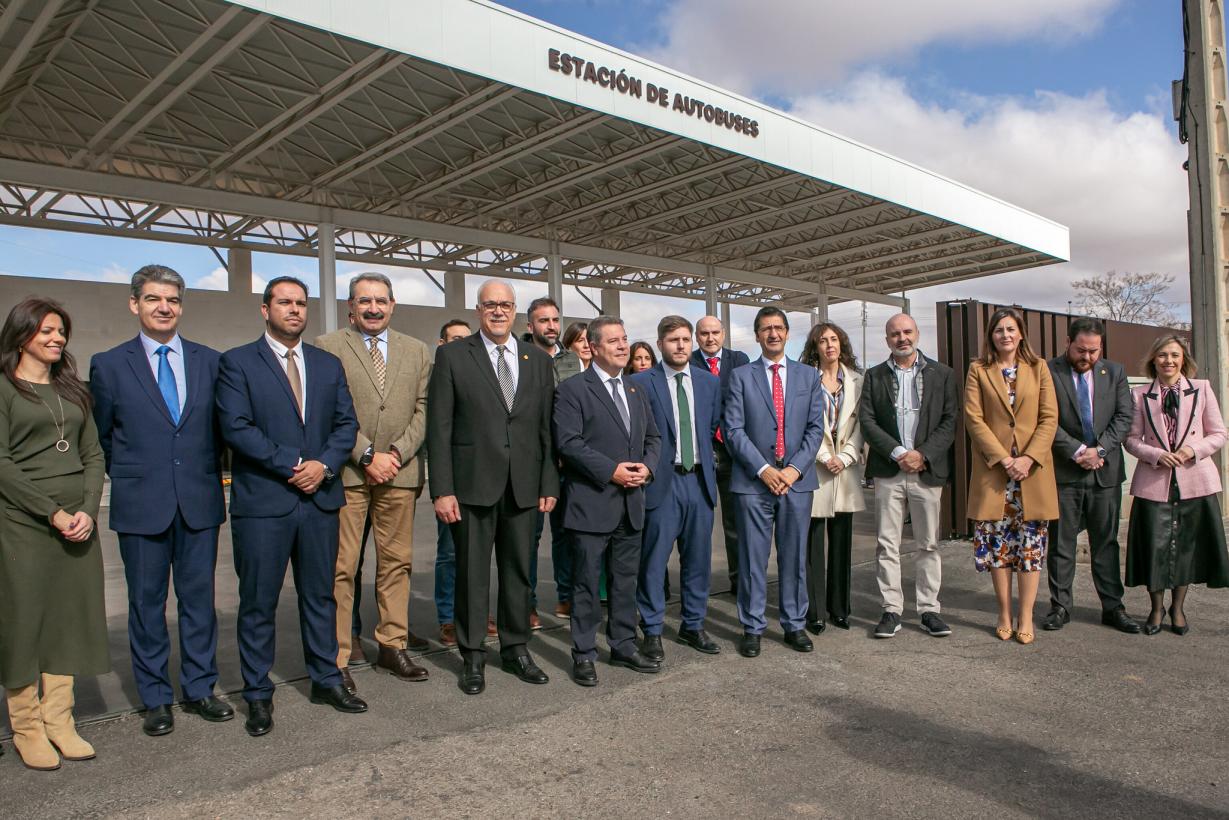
839, 467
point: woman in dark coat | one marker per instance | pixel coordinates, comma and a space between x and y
51, 579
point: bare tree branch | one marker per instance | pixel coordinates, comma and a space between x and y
1127, 297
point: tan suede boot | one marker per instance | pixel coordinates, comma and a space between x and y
58, 718
29, 736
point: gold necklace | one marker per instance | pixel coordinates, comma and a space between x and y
62, 444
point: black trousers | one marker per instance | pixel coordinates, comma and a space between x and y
620, 551
1086, 506
724, 465
828, 591
508, 530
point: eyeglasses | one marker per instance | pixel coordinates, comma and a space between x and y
491, 307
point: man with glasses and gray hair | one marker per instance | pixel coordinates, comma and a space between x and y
387, 373
492, 471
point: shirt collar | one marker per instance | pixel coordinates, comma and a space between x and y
150, 346
490, 346
602, 374
671, 372
382, 336
768, 364
281, 349
918, 363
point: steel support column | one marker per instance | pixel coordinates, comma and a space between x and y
554, 275
610, 302
454, 292
710, 294
327, 254
238, 270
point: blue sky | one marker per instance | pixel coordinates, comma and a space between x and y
1061, 106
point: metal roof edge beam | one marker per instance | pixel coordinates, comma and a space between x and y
49, 11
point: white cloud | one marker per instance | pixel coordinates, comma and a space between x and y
216, 279
789, 46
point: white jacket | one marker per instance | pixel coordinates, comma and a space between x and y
842, 493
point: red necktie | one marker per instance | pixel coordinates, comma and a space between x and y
778, 404
714, 367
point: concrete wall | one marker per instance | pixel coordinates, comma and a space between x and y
220, 319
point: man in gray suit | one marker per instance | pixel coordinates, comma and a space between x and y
387, 372
1094, 416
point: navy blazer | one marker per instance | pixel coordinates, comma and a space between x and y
658, 384
157, 466
268, 439
592, 442
750, 425
730, 361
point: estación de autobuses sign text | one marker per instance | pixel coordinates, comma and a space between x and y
621, 82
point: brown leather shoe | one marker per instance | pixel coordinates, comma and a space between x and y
492, 631
448, 634
563, 609
356, 650
397, 662
348, 681
415, 643
535, 623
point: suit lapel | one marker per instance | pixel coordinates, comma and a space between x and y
1102, 396
355, 340
477, 349
1154, 414
267, 355
1186, 410
661, 385
194, 378
848, 403
599, 388
523, 374
1000, 385
762, 380
145, 377
1066, 377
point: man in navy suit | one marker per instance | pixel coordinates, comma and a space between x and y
679, 503
606, 436
153, 403
712, 355
286, 413
773, 425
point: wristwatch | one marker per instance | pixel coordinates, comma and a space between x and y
328, 474
1101, 452
367, 456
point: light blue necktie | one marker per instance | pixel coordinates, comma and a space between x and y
166, 382
1085, 409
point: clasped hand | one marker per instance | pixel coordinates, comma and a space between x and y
307, 476
383, 467
779, 481
1018, 468
630, 474
76, 527
1183, 455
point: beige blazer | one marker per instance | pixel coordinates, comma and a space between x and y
994, 426
395, 418
842, 493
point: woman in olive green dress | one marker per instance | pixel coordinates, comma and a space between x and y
52, 622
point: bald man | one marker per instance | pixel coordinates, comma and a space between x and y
489, 445
712, 355
908, 415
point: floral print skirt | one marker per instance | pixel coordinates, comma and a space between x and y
1011, 542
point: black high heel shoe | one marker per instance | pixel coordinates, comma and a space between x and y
1151, 628
1173, 626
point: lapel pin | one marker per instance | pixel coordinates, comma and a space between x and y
1103, 371
525, 356
631, 390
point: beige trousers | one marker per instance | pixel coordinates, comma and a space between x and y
894, 497
392, 523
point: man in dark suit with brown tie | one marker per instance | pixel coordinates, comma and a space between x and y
491, 472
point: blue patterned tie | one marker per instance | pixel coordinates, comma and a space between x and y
1085, 409
166, 382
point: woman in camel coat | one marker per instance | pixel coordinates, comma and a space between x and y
1011, 415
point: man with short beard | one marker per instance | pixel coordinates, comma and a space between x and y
388, 373
908, 416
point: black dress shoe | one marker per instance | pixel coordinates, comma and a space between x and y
338, 698
347, 680
1057, 617
158, 721
1120, 620
260, 717
749, 645
815, 627
399, 664
473, 680
636, 662
799, 641
212, 709
699, 640
524, 668
840, 623
650, 647
583, 673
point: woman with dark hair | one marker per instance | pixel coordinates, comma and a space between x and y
1011, 415
640, 358
1175, 537
576, 339
51, 581
839, 469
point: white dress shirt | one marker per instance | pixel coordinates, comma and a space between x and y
672, 392
175, 357
279, 351
492, 353
907, 407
